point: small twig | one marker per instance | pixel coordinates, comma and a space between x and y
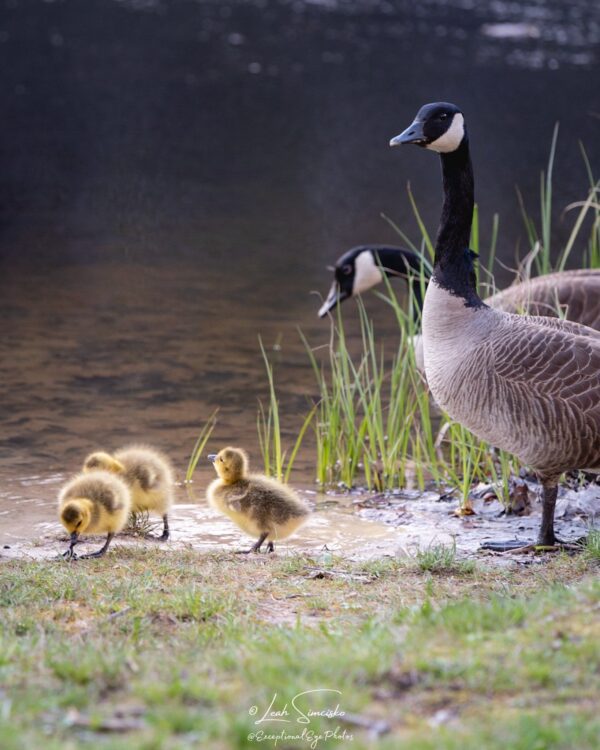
373, 726
120, 613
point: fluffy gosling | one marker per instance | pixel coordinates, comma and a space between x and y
148, 474
93, 503
260, 506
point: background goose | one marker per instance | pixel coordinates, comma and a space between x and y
362, 267
529, 385
576, 293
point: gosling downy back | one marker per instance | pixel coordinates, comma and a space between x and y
150, 474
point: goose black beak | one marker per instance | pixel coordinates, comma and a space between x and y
335, 296
412, 134
212, 457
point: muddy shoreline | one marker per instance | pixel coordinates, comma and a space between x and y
355, 526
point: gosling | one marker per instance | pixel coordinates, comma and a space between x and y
260, 506
149, 475
93, 503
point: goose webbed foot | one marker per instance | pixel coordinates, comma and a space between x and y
505, 545
541, 545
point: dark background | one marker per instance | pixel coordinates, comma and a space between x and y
255, 133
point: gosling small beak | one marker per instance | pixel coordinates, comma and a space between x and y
335, 296
74, 536
212, 457
412, 134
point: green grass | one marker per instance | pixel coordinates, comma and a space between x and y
592, 546
441, 558
144, 649
201, 442
277, 461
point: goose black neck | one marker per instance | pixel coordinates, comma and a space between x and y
453, 267
396, 261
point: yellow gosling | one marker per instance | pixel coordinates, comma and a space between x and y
260, 506
96, 502
149, 475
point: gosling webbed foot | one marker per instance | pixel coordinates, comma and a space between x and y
100, 552
68, 555
165, 535
255, 547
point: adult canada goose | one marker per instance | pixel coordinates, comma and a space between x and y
362, 267
529, 385
575, 293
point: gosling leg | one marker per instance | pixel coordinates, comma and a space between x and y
165, 535
270, 547
255, 547
101, 551
69, 554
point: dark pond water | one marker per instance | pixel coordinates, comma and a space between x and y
176, 175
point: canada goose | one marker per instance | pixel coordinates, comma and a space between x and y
528, 385
148, 474
97, 502
362, 267
260, 506
575, 293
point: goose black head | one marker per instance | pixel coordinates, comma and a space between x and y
355, 271
439, 127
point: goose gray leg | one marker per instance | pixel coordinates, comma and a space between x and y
100, 552
546, 536
255, 547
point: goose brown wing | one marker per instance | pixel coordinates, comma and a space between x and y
550, 380
576, 293
552, 360
569, 326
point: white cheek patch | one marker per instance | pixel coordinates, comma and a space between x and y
452, 138
366, 273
